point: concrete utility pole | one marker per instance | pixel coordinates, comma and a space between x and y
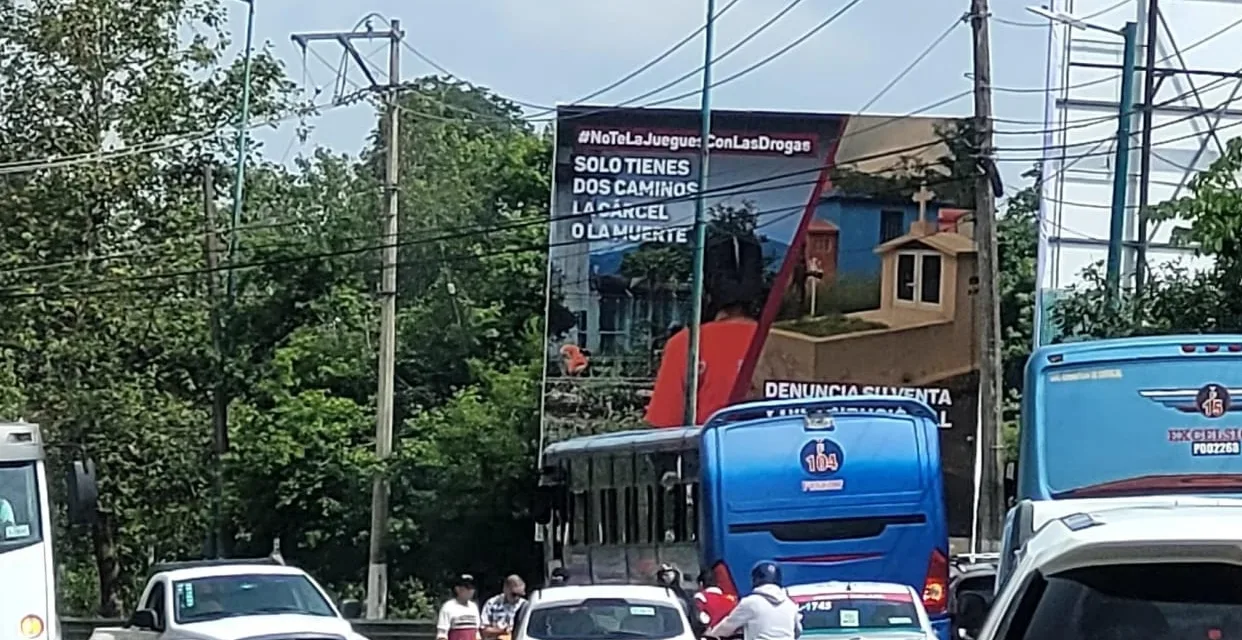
219, 399
377, 569
992, 501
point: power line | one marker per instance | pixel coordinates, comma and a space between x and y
8, 293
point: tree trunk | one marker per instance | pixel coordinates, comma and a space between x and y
109, 568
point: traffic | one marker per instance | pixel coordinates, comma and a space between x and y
786, 518
847, 490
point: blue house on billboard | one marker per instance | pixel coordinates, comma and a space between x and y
864, 222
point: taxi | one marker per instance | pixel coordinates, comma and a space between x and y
862, 611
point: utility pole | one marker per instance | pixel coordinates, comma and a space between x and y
991, 502
691, 404
219, 398
1121, 166
377, 566
1149, 96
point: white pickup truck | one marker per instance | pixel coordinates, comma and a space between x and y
234, 600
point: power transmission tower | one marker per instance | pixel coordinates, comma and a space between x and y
377, 568
991, 500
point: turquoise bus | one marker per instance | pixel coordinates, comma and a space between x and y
1134, 419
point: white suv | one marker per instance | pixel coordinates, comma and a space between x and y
603, 612
1125, 573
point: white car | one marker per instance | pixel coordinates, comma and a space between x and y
862, 610
603, 612
232, 600
1126, 573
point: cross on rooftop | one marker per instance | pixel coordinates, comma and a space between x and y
923, 196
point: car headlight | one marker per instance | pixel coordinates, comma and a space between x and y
31, 626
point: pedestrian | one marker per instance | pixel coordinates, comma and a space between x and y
713, 603
459, 617
669, 577
500, 610
766, 614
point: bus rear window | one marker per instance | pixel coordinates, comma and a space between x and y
784, 464
1114, 421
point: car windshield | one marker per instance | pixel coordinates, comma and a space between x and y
20, 524
605, 618
216, 597
1175, 601
851, 613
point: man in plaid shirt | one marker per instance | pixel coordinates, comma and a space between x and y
499, 610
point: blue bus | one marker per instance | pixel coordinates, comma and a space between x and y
843, 488
1132, 419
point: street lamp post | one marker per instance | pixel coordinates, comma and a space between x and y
1121, 164
242, 125
691, 402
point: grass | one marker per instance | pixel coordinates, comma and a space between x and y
829, 325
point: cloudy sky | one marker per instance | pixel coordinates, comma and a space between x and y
546, 52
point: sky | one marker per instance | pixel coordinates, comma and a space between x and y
548, 52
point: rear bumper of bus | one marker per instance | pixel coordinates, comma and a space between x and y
943, 627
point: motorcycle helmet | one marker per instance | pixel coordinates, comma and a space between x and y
765, 572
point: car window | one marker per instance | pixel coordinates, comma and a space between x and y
215, 597
854, 613
1173, 601
604, 618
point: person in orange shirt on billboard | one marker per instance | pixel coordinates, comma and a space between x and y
733, 278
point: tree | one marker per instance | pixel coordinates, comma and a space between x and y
1177, 299
1017, 234
107, 354
473, 220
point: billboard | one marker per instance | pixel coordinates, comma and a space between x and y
839, 261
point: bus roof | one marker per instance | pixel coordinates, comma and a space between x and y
642, 440
20, 442
1106, 349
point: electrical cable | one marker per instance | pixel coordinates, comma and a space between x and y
1044, 25
664, 87
12, 292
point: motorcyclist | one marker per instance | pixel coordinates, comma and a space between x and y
766, 614
713, 603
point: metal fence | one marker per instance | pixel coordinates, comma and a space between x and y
81, 628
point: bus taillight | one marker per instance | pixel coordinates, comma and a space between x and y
723, 579
936, 584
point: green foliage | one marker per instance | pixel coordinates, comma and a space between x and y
1176, 299
1017, 235
106, 340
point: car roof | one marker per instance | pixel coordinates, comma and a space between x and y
231, 569
575, 593
1136, 534
834, 587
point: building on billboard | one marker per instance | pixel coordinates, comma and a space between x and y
1197, 109
838, 261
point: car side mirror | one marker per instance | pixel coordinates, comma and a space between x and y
351, 609
145, 619
83, 495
